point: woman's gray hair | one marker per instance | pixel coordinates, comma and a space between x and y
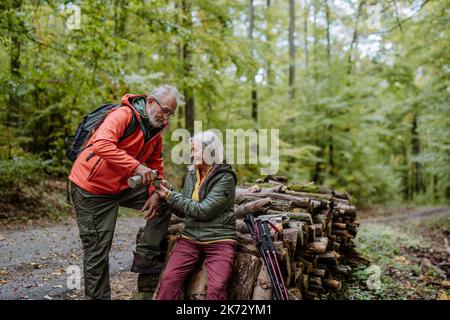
165, 91
212, 146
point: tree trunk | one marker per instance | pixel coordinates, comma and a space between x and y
13, 117
291, 49
329, 113
354, 43
417, 169
305, 31
120, 16
269, 41
327, 15
254, 93
13, 103
187, 70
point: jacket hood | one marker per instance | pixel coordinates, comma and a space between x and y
225, 167
217, 168
136, 101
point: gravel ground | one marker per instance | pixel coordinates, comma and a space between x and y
34, 260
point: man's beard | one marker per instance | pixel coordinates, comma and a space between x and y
154, 122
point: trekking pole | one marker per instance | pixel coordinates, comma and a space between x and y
267, 241
266, 225
268, 260
258, 240
272, 247
249, 222
256, 236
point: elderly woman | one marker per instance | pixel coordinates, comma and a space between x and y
206, 202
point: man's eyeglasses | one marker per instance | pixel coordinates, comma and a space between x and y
164, 110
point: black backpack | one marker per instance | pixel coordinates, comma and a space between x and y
76, 144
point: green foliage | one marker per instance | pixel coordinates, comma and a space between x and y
397, 249
381, 243
369, 116
21, 171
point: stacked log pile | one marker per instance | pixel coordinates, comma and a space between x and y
318, 228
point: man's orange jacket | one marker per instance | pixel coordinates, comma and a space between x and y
113, 162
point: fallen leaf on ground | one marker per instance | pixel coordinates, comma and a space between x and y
442, 295
400, 259
36, 265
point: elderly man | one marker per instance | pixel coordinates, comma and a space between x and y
98, 185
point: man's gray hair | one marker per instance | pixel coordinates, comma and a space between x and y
166, 90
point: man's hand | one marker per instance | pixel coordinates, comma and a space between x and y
151, 207
145, 173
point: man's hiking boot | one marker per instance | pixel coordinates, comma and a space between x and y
144, 265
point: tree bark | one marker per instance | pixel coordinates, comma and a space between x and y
187, 69
13, 117
295, 200
305, 31
269, 41
264, 288
354, 43
417, 169
254, 93
291, 49
255, 207
332, 284
245, 272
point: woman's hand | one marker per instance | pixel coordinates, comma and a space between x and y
165, 183
162, 190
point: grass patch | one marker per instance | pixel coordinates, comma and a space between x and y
402, 274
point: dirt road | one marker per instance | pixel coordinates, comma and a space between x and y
417, 214
34, 260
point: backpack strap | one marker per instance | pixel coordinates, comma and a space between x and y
132, 126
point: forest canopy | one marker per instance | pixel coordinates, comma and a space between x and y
358, 89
